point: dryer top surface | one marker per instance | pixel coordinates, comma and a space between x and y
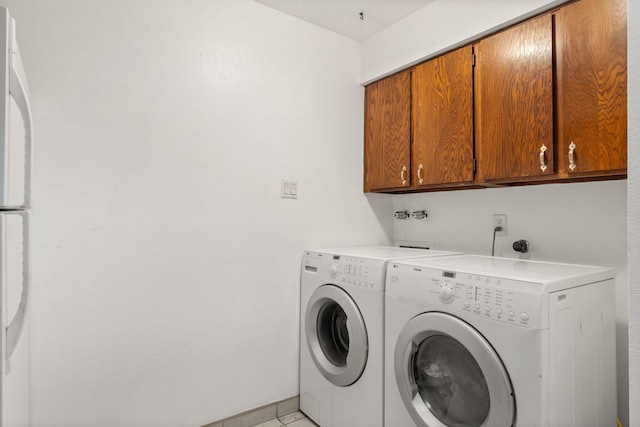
541, 272
381, 253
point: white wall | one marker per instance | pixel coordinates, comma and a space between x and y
634, 211
436, 28
561, 221
166, 266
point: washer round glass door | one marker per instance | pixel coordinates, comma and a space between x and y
448, 375
336, 335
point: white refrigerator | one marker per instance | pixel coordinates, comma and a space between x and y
16, 139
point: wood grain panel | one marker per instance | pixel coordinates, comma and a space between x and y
442, 114
387, 135
591, 40
514, 105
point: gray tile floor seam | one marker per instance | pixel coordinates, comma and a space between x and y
289, 418
303, 422
271, 423
278, 415
296, 419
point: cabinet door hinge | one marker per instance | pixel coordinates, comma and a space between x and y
473, 59
474, 165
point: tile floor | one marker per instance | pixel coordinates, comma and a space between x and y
296, 419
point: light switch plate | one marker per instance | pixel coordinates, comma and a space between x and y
288, 189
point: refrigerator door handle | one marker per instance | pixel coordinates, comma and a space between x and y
14, 330
20, 91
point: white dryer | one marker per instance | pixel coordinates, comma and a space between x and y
494, 342
341, 333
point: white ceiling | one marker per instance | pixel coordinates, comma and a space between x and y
343, 16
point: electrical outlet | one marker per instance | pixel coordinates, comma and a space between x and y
500, 220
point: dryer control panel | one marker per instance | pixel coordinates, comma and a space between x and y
345, 270
505, 300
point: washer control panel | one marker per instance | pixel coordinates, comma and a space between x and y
505, 300
497, 302
345, 270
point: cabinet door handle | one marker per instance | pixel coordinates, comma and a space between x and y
572, 163
543, 165
404, 181
420, 180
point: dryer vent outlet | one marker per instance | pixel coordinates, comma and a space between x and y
500, 220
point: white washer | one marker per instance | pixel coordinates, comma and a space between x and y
341, 333
482, 341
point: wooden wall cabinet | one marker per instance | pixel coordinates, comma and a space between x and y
545, 102
591, 43
514, 102
387, 133
419, 126
442, 120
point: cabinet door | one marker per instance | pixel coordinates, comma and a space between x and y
514, 105
591, 40
387, 133
442, 119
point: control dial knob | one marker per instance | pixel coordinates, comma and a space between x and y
447, 294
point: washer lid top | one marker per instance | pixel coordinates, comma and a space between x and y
550, 275
383, 253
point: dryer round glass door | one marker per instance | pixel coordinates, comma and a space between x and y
336, 335
448, 375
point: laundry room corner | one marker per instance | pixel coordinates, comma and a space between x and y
193, 159
584, 223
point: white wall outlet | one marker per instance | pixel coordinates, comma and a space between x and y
500, 220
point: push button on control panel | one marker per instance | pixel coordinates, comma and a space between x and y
333, 270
